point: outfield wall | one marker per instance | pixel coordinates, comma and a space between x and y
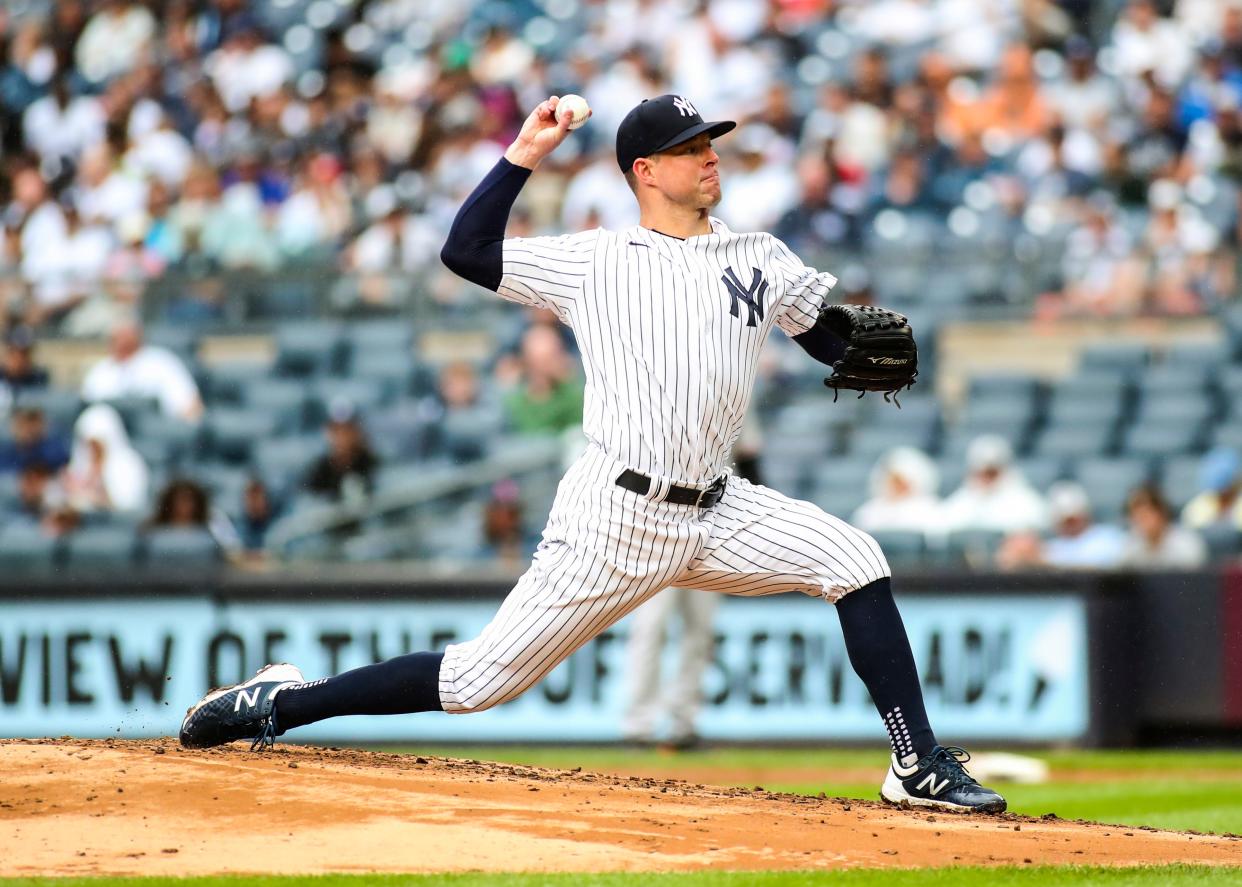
1041, 658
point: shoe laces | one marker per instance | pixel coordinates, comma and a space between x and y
948, 760
267, 735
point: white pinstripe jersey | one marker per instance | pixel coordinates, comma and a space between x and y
670, 332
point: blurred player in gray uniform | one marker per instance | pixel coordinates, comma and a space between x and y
670, 317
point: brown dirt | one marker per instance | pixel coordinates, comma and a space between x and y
77, 807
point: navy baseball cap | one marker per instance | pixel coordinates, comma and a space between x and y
656, 125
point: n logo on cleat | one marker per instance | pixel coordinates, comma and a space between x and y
251, 700
929, 781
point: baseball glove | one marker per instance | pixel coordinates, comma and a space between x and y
880, 353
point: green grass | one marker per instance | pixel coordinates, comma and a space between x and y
1081, 876
1165, 789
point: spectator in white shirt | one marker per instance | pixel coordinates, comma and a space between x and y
59, 126
115, 40
134, 369
995, 495
903, 494
246, 67
105, 472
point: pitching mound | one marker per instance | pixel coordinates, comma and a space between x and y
73, 807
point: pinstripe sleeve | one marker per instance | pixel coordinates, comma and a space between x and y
805, 290
547, 272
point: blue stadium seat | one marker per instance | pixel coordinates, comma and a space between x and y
1204, 356
25, 548
233, 432
1109, 482
179, 339
1160, 439
1179, 479
106, 547
1190, 408
363, 394
1004, 385
902, 548
1127, 358
175, 548
308, 348
282, 462
392, 372
177, 438
873, 441
1067, 441
366, 337
60, 406
228, 382
287, 400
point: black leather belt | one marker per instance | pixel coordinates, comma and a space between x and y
641, 484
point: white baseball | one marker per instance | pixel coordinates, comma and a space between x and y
577, 106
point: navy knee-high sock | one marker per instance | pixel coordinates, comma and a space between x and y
402, 685
879, 651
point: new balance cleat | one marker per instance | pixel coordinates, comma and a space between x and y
938, 780
242, 711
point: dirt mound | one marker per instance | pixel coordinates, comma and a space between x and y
77, 807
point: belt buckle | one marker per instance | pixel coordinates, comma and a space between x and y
713, 489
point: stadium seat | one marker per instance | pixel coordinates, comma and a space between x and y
1004, 386
60, 407
173, 548
286, 400
308, 348
1203, 356
971, 548
466, 435
843, 483
228, 382
1126, 358
367, 337
902, 548
179, 339
1042, 472
178, 439
1191, 408
1068, 441
232, 432
106, 547
1223, 540
1160, 439
1179, 479
390, 371
282, 462
872, 442
25, 548
362, 394
1109, 482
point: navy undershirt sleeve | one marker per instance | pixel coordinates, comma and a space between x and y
474, 248
824, 346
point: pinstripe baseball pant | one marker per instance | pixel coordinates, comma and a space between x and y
606, 550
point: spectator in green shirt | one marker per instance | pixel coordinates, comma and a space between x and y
548, 396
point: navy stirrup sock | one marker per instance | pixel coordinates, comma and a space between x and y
401, 685
879, 651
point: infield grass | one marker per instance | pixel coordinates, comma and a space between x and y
1032, 876
1199, 790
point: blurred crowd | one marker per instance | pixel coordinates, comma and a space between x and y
1014, 526
143, 138
143, 142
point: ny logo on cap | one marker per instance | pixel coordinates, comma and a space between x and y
683, 105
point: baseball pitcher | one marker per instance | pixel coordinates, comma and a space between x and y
670, 316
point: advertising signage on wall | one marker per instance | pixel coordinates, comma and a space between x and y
993, 667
